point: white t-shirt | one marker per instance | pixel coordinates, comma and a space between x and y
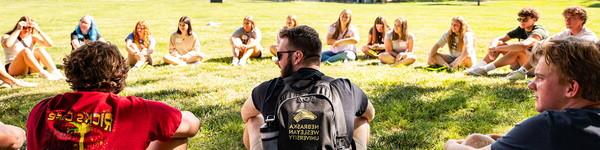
351, 32
454, 51
398, 45
11, 52
584, 34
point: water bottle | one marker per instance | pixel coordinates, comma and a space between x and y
269, 132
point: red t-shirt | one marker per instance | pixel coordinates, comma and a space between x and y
99, 120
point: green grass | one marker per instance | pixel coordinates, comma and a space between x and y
416, 109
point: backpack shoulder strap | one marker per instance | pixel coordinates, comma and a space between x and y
340, 118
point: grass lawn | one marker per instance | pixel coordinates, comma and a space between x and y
416, 109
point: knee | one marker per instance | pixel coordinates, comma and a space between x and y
365, 48
350, 55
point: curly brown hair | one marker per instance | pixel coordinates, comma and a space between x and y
576, 11
96, 66
578, 60
529, 12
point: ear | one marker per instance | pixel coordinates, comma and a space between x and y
298, 57
572, 89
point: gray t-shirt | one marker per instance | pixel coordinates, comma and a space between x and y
256, 34
398, 45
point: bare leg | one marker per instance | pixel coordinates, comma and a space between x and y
42, 55
251, 137
511, 58
173, 60
439, 59
273, 50
407, 61
174, 144
367, 51
24, 62
7, 78
387, 58
362, 131
250, 53
194, 58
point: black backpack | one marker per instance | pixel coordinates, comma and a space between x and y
311, 116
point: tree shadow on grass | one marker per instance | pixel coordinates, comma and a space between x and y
219, 60
417, 117
221, 127
595, 5
144, 81
16, 107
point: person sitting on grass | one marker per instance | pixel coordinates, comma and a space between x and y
515, 54
93, 116
575, 19
342, 37
184, 45
398, 45
290, 22
10, 81
567, 97
246, 42
140, 44
460, 42
299, 63
375, 44
11, 137
22, 55
85, 32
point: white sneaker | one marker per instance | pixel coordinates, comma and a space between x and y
235, 62
59, 75
22, 83
477, 71
516, 75
274, 59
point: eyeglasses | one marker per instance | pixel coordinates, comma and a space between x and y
280, 53
522, 19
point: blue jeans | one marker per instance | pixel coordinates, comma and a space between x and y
340, 56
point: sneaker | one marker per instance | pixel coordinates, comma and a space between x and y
235, 62
139, 64
274, 59
516, 75
476, 71
59, 75
22, 83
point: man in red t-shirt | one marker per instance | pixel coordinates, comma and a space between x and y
95, 117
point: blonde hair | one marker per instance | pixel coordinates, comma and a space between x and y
293, 18
403, 29
145, 34
464, 28
338, 23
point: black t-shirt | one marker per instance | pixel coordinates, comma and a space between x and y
378, 36
354, 101
521, 34
570, 129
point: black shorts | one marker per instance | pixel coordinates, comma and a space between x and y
6, 67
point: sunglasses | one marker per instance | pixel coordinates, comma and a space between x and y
522, 19
280, 53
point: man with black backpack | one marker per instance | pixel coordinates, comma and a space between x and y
304, 109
